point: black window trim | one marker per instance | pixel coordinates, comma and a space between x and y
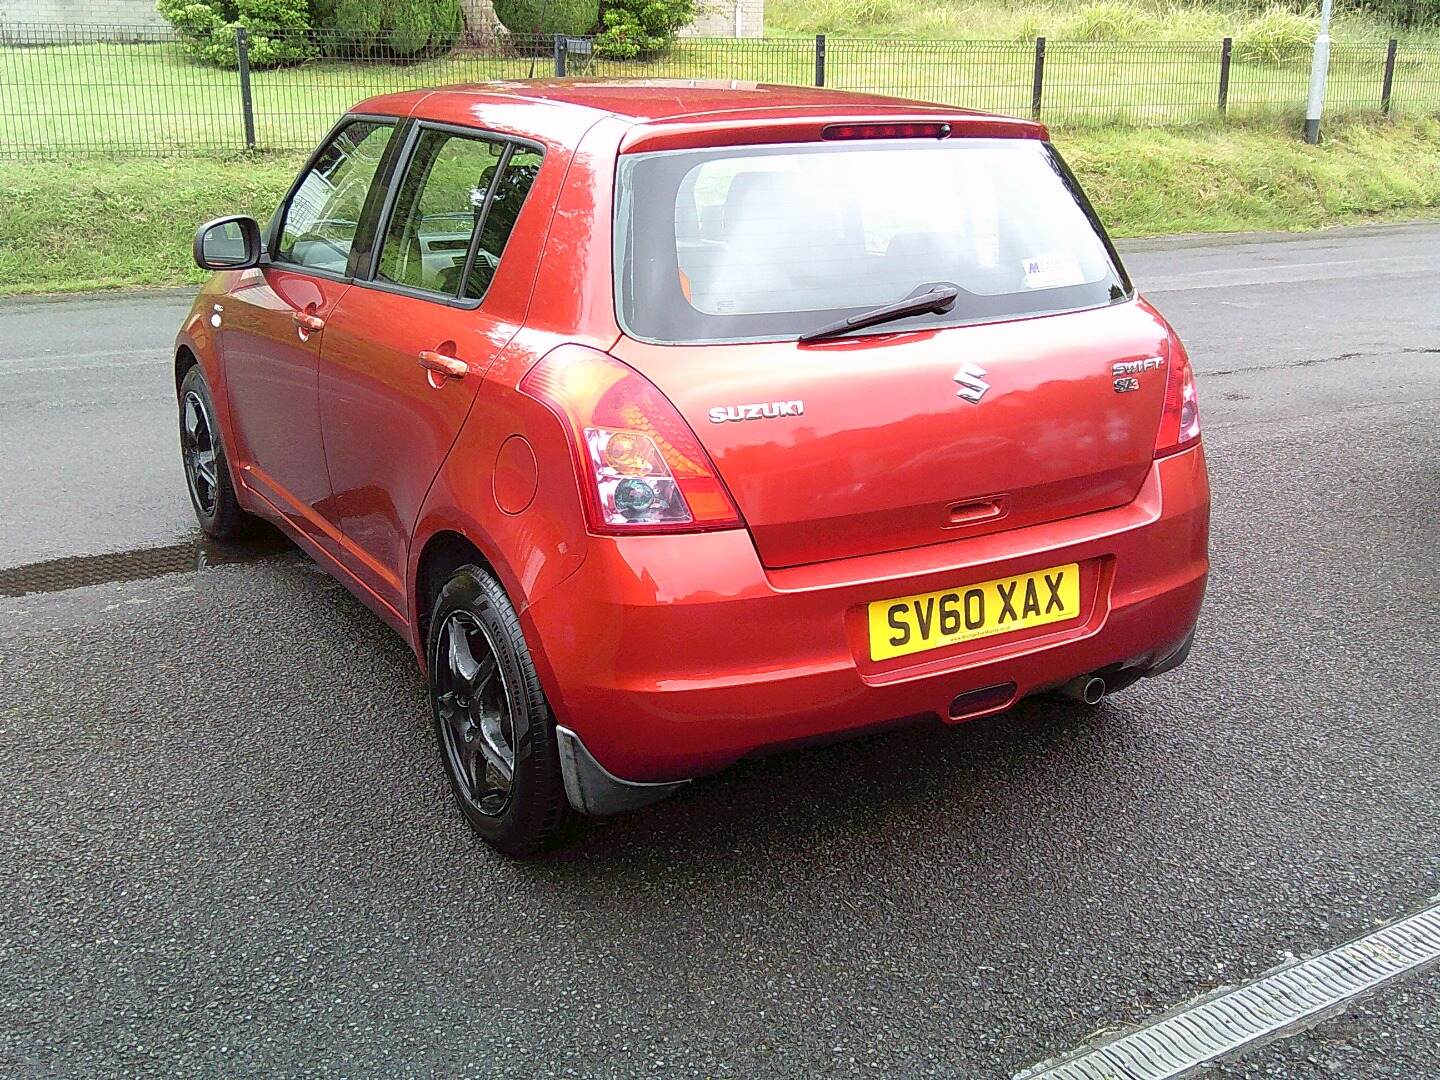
377, 184
366, 276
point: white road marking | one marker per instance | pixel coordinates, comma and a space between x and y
1283, 1002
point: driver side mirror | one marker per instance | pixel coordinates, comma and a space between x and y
229, 243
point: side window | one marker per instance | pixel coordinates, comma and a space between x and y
515, 181
436, 210
453, 213
324, 212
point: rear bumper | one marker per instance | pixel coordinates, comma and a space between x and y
674, 656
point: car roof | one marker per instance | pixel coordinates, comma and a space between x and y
657, 101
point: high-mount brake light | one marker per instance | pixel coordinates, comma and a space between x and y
924, 130
1180, 418
641, 467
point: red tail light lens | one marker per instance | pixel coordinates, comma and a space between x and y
1180, 421
641, 467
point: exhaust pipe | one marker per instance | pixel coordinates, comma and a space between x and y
1087, 688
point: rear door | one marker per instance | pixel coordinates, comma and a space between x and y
1002, 412
407, 347
273, 323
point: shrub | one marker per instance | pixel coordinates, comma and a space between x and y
641, 28
389, 28
277, 30
1276, 37
1405, 13
524, 18
1112, 20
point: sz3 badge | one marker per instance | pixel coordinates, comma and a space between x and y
1126, 373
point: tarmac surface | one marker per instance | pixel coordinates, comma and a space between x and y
226, 842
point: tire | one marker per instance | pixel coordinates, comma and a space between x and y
485, 698
207, 469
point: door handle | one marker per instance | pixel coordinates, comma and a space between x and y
306, 321
449, 366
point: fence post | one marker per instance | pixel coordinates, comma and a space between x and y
247, 104
559, 56
1038, 88
819, 59
1225, 48
1389, 83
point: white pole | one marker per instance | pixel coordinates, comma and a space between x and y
1319, 68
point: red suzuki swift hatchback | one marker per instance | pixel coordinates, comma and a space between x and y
671, 422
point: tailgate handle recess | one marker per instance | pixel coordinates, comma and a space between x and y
975, 511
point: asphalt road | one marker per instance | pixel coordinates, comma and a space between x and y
225, 842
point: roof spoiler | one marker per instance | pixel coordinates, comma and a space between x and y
688, 133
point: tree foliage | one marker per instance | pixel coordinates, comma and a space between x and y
276, 30
528, 18
398, 28
284, 32
1406, 14
640, 28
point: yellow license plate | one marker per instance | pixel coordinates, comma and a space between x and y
911, 624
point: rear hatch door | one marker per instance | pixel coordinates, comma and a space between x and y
870, 444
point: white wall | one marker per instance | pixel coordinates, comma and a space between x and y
717, 19
87, 12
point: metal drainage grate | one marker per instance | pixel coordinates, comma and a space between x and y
76, 572
1287, 999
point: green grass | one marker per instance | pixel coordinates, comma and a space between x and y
1244, 178
103, 98
1108, 20
107, 224
104, 224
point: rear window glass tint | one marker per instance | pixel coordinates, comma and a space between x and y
770, 242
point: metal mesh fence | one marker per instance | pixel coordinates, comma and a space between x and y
995, 76
1131, 83
765, 60
68, 90
1417, 80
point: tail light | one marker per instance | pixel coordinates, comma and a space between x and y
641, 468
1180, 420
903, 130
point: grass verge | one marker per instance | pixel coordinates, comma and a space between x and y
140, 99
106, 224
1083, 20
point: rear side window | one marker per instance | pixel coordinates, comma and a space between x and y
324, 212
454, 212
757, 243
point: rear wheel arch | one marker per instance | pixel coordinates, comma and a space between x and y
444, 553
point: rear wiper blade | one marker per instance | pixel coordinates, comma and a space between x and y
936, 300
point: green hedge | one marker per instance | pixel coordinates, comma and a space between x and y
526, 17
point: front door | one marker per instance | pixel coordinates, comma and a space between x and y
273, 322
408, 348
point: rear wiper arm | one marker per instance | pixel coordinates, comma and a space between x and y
936, 300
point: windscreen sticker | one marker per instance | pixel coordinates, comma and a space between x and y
1053, 270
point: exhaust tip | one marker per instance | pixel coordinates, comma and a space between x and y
1088, 688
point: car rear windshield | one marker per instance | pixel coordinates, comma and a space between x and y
763, 243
